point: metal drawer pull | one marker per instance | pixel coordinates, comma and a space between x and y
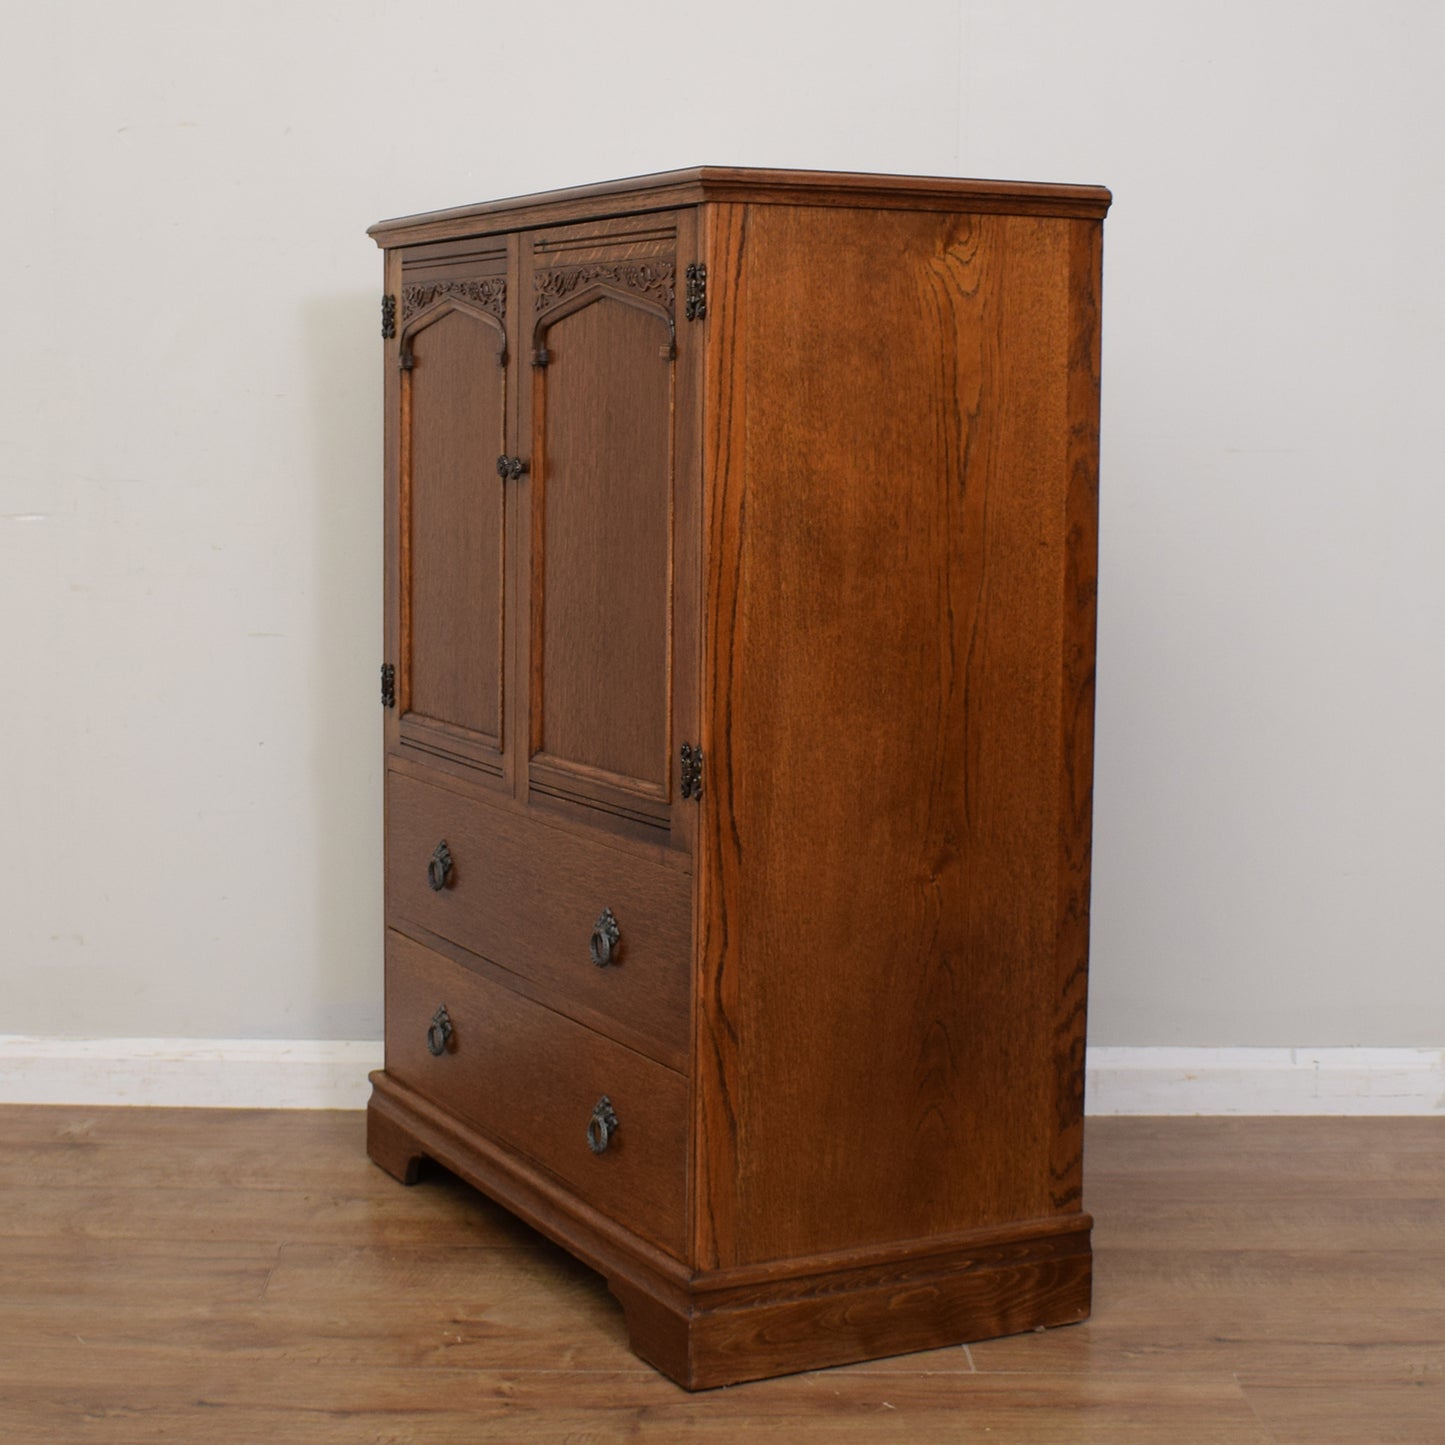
601, 1126
605, 936
439, 1035
439, 870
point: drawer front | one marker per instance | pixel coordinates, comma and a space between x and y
532, 1080
607, 935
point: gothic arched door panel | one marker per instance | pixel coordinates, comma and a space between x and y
453, 533
610, 597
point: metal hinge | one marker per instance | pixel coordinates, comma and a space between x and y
388, 685
696, 304
388, 317
691, 771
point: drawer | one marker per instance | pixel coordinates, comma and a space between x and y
545, 904
532, 1080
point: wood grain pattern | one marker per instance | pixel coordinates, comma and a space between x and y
233, 1275
466, 781
724, 185
601, 544
1076, 721
452, 597
396, 424
608, 598
837, 528
529, 1079
526, 896
725, 1335
889, 545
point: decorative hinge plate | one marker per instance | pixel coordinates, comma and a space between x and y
388, 685
695, 307
691, 771
388, 317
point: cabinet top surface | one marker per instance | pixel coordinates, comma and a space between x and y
738, 184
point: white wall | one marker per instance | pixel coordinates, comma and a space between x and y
190, 460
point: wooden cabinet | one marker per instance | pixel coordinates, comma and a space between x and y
739, 662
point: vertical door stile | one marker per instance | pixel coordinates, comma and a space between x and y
685, 652
515, 502
525, 591
394, 430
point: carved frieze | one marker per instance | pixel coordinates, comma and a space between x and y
653, 280
487, 295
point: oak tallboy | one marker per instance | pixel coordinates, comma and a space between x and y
740, 546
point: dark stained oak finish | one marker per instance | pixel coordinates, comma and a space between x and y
612, 503
453, 514
532, 1079
721, 1333
455, 601
666, 189
835, 528
890, 748
527, 895
601, 543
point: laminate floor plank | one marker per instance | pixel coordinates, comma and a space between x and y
251, 1216
185, 1338
1276, 1225
1206, 1310
305, 1402
197, 1276
1320, 1409
1285, 1145
304, 1133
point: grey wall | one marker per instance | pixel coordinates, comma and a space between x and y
190, 458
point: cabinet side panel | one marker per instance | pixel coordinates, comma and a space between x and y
716, 1001
1076, 723
899, 500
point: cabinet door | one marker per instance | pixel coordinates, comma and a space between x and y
613, 537
452, 504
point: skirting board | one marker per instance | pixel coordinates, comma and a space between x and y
1264, 1081
189, 1073
327, 1074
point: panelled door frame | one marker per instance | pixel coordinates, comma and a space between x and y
673, 820
607, 258
476, 279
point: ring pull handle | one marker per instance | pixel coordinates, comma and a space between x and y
605, 937
601, 1126
439, 1034
439, 870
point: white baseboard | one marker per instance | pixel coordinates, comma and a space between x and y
325, 1074
188, 1073
1264, 1081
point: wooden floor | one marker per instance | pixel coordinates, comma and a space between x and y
197, 1276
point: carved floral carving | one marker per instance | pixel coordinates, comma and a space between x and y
651, 279
487, 295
